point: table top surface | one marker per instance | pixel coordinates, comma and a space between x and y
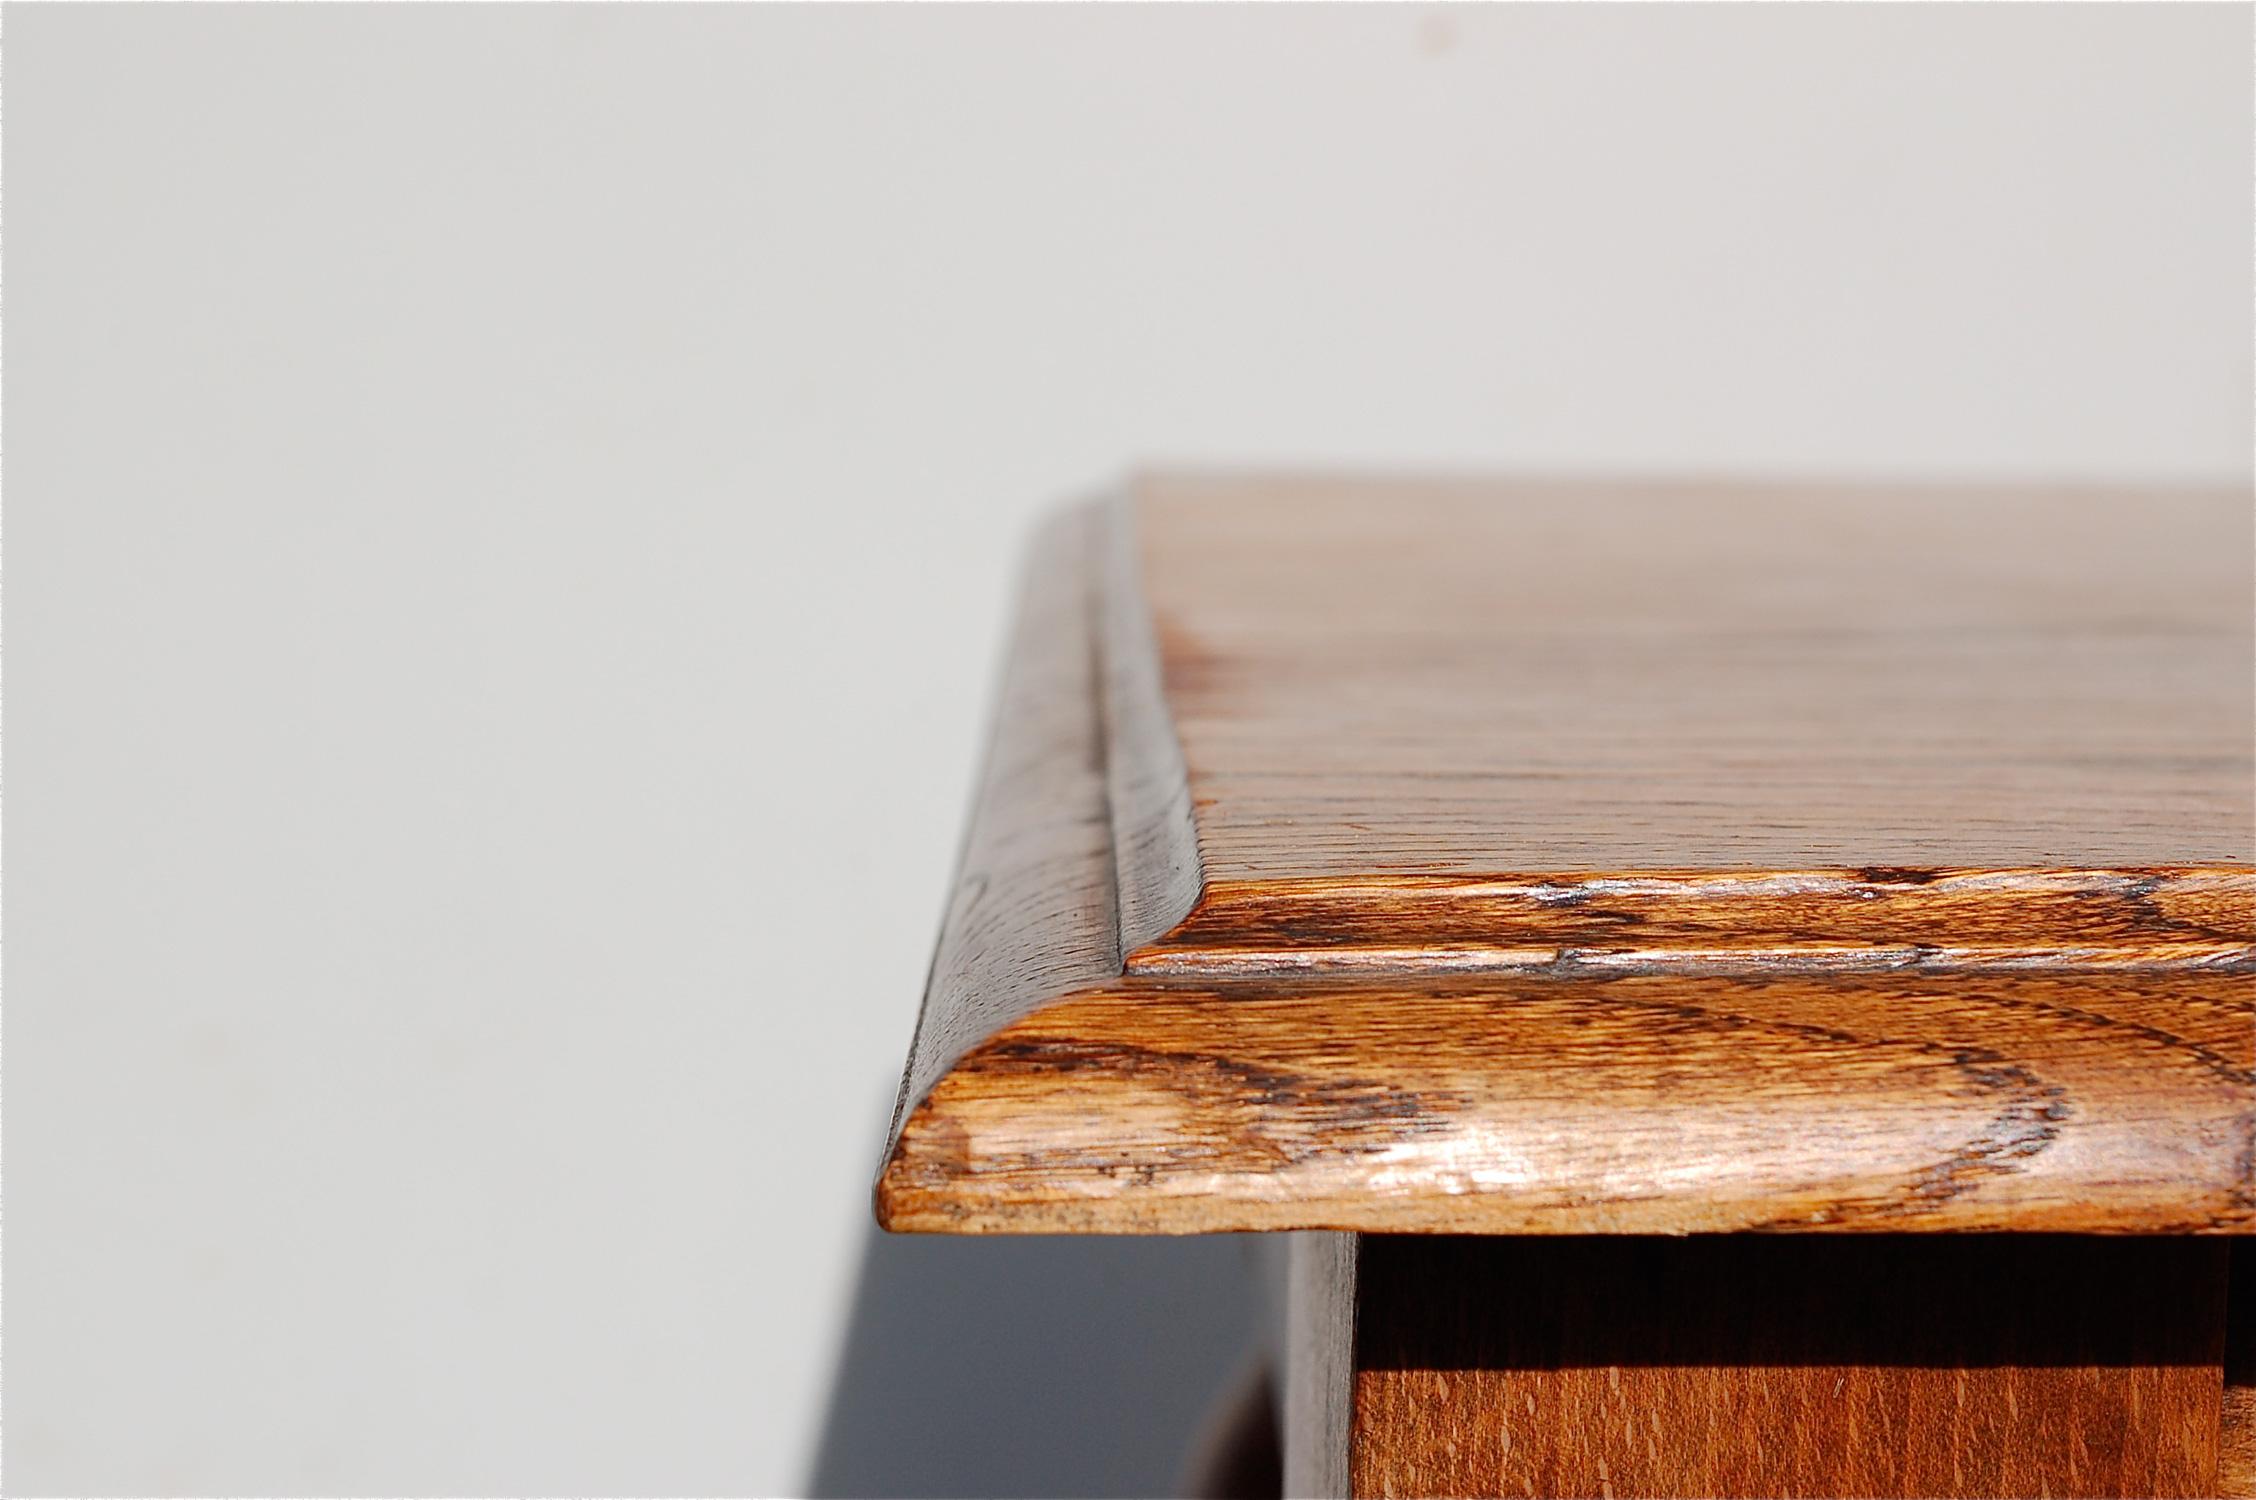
1466, 680
1562, 857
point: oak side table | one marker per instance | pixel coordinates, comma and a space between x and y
1744, 990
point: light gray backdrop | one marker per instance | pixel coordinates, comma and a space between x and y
511, 515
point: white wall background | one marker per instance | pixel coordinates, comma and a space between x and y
511, 516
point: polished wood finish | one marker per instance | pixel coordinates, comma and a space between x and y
1872, 1365
1871, 919
1545, 860
1380, 679
1564, 866
1033, 915
1652, 1104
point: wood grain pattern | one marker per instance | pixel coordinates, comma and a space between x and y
1527, 860
1649, 1104
1034, 913
1861, 920
1929, 1365
1379, 678
1154, 833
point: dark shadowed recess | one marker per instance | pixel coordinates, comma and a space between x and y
1934, 1300
1041, 1365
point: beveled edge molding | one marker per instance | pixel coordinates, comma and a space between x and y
1032, 912
1109, 1044
1812, 921
1156, 869
2086, 1102
1081, 842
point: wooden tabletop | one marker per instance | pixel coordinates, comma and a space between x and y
1509, 858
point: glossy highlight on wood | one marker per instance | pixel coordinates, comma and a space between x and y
1543, 859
